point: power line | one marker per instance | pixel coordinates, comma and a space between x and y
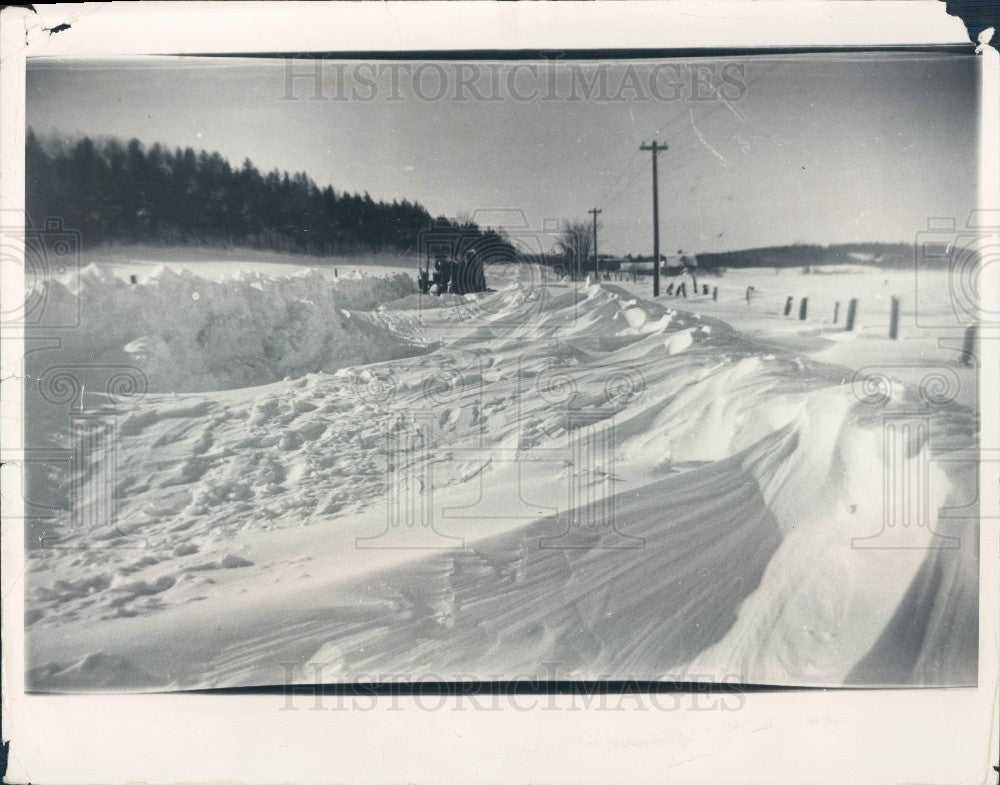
684, 165
621, 174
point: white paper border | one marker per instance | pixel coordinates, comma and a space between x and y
869, 736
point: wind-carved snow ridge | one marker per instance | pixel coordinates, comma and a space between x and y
600, 486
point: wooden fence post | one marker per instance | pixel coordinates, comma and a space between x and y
715, 294
803, 308
788, 306
836, 312
852, 313
968, 345
894, 319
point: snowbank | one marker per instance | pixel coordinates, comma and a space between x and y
187, 333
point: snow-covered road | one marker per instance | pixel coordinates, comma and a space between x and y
552, 480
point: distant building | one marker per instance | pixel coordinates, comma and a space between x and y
675, 264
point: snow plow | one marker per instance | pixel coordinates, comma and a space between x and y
455, 257
453, 276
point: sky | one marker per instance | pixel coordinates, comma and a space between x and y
761, 151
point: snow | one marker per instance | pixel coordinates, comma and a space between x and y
188, 333
143, 261
622, 488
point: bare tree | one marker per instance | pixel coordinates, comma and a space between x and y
576, 243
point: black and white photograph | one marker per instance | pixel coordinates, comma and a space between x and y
654, 368
356, 384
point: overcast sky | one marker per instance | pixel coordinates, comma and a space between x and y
816, 148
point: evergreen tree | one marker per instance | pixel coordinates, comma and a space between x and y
115, 192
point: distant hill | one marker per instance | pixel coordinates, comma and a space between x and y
889, 255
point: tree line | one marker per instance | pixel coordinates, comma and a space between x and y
115, 192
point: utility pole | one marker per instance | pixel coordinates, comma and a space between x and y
597, 266
655, 148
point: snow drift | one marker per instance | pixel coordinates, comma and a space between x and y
620, 490
189, 333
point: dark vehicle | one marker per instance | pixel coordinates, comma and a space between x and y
454, 276
460, 254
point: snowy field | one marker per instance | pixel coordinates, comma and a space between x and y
934, 308
289, 475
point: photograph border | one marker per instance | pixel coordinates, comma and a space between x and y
779, 734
